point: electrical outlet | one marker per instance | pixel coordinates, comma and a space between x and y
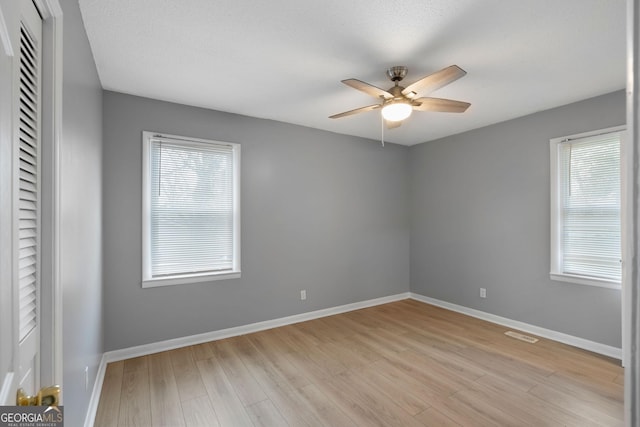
86, 378
303, 295
483, 293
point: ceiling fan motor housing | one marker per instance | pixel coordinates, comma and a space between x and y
396, 91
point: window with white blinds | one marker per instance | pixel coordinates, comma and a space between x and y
586, 224
28, 187
191, 210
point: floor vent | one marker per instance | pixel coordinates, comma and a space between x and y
521, 337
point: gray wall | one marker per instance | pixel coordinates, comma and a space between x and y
81, 218
323, 212
480, 218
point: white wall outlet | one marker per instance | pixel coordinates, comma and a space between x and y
303, 294
483, 293
86, 378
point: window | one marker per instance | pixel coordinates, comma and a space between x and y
585, 208
191, 215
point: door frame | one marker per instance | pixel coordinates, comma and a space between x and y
51, 370
8, 14
631, 296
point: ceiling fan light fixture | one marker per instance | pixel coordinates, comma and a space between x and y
396, 111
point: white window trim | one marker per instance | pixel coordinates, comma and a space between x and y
583, 280
182, 279
556, 256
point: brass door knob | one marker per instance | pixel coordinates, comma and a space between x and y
23, 399
47, 396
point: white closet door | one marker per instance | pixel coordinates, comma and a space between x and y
27, 200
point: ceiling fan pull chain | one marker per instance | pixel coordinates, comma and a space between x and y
382, 130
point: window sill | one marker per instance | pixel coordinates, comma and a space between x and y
189, 278
583, 280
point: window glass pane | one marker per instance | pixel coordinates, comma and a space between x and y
191, 224
590, 207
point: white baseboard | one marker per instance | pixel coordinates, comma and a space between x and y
92, 410
156, 347
582, 343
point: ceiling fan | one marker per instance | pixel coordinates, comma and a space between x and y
398, 102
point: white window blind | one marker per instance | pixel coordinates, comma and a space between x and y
192, 208
589, 207
28, 198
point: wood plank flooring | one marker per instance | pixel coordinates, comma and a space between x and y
400, 364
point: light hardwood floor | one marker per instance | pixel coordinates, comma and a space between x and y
399, 364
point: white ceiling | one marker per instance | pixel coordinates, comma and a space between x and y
284, 59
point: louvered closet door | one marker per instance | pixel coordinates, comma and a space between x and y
28, 197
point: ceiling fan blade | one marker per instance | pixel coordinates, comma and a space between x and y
434, 81
441, 105
356, 111
372, 90
392, 125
